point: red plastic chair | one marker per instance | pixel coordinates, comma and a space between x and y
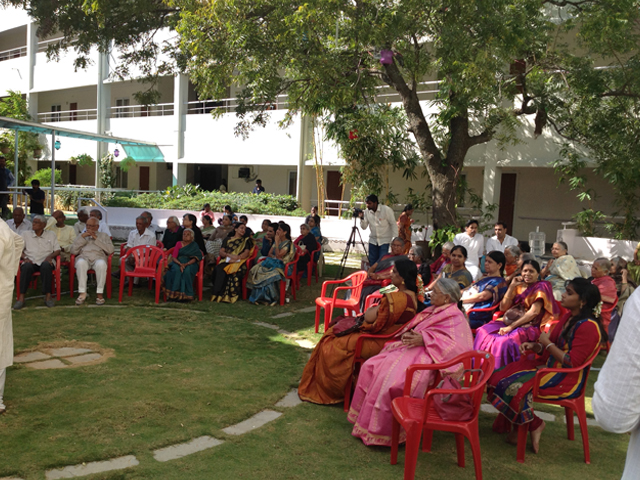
416, 415
570, 406
252, 256
148, 264
330, 303
487, 309
72, 274
123, 246
290, 273
313, 262
56, 285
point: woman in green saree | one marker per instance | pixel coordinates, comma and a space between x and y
181, 272
227, 276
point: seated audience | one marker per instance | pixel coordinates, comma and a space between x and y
307, 239
436, 335
379, 274
500, 241
404, 227
141, 235
245, 220
607, 286
528, 305
228, 212
560, 268
207, 227
260, 235
624, 284
315, 229
18, 223
315, 216
183, 265
264, 277
457, 268
172, 234
189, 220
486, 292
81, 224
416, 255
104, 228
40, 251
570, 344
214, 243
66, 234
228, 274
150, 225
443, 260
268, 240
474, 243
92, 249
331, 364
207, 212
512, 256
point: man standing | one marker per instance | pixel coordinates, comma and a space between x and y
37, 197
92, 249
40, 250
383, 224
258, 188
65, 234
11, 245
81, 224
6, 180
19, 224
500, 240
474, 243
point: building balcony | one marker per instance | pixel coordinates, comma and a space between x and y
14, 66
61, 74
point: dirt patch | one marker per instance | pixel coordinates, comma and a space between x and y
71, 353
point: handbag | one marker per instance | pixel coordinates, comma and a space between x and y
456, 407
346, 325
514, 314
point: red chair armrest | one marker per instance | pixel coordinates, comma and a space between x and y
544, 371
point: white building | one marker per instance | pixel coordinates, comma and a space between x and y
198, 149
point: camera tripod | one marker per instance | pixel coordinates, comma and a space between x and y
352, 241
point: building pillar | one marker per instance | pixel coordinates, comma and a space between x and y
32, 50
180, 99
103, 115
300, 180
491, 184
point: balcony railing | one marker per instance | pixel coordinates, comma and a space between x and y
44, 44
228, 105
158, 110
13, 53
68, 115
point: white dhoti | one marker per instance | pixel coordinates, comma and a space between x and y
83, 266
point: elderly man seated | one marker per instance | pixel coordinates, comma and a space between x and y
18, 224
140, 236
92, 249
81, 224
66, 234
104, 228
40, 250
150, 225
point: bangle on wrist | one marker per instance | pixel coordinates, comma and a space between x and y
541, 348
549, 345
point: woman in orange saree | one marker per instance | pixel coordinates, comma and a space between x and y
331, 364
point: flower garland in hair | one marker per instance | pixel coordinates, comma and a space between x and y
597, 310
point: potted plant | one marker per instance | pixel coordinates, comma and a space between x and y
5, 144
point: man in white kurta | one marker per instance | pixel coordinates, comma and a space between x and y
11, 245
500, 240
474, 243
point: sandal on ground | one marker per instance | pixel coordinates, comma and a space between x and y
100, 301
81, 299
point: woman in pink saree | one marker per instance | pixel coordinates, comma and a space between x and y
436, 335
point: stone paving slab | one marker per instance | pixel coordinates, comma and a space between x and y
307, 310
47, 364
68, 351
10, 478
30, 357
89, 357
291, 399
183, 449
591, 422
306, 344
257, 421
267, 325
547, 417
488, 408
283, 315
92, 467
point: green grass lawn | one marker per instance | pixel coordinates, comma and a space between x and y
182, 371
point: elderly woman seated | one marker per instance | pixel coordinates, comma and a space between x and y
443, 260
183, 266
331, 364
624, 284
436, 335
173, 233
608, 293
528, 305
561, 268
227, 276
512, 256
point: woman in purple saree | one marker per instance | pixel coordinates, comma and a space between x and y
436, 335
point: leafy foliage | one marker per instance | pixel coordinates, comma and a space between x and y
44, 176
15, 106
84, 159
443, 235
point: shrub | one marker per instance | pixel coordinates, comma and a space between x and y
44, 176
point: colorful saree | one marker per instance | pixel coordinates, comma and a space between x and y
562, 269
437, 266
404, 231
331, 364
607, 287
497, 286
178, 285
463, 277
264, 278
510, 388
446, 334
384, 265
227, 277
506, 348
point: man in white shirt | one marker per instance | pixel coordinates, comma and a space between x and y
616, 397
40, 250
81, 224
65, 234
500, 240
382, 223
104, 228
140, 236
474, 243
19, 224
150, 225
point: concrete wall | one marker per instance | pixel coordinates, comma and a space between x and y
128, 89
85, 97
274, 179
